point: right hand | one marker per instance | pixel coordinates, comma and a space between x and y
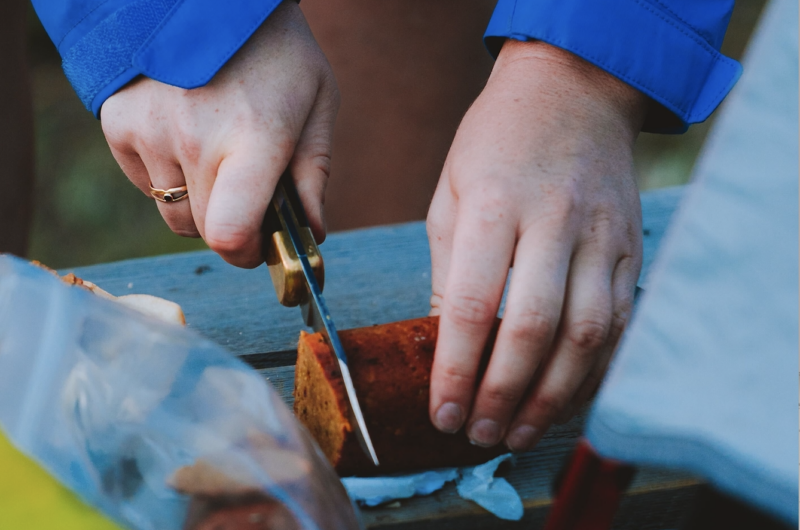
272, 106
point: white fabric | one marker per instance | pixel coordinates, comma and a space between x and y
707, 377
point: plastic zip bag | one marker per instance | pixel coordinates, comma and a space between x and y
151, 423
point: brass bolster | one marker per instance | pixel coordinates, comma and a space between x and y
284, 266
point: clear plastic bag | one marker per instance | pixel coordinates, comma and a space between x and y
146, 420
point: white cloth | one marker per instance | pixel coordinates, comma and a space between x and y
707, 377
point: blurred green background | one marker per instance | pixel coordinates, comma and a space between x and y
86, 211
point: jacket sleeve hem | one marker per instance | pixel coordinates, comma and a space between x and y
195, 41
641, 45
178, 42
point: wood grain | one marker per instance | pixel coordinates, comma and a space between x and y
373, 276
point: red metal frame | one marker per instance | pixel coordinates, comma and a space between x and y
589, 491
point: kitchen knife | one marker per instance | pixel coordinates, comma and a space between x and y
298, 275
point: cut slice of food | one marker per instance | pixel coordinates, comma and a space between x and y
144, 303
154, 306
391, 368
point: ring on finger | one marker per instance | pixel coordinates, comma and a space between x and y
169, 195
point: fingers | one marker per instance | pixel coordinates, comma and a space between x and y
530, 320
239, 198
584, 331
178, 215
483, 244
149, 162
246, 180
131, 164
311, 163
440, 223
624, 285
163, 175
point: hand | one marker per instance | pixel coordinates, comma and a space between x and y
540, 175
272, 105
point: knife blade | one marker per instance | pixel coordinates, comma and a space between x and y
286, 220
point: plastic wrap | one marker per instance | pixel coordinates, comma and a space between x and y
146, 420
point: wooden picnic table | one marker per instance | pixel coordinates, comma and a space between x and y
378, 275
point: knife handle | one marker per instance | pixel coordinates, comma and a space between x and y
282, 260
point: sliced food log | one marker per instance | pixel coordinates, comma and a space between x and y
391, 368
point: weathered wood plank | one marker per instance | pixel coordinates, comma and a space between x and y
656, 499
373, 275
381, 275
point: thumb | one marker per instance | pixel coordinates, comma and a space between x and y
311, 163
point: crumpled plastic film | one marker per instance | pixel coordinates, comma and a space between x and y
146, 420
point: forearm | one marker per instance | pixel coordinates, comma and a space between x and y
573, 89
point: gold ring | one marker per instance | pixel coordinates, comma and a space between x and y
170, 195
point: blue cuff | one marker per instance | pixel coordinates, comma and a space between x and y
645, 46
179, 42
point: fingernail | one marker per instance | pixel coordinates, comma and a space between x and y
521, 438
449, 418
485, 433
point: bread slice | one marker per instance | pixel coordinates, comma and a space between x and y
154, 306
391, 368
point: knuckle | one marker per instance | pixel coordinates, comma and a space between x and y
619, 320
501, 395
434, 225
560, 213
547, 407
456, 376
317, 158
152, 145
117, 136
467, 310
588, 335
531, 327
436, 305
565, 204
247, 126
190, 147
492, 207
630, 262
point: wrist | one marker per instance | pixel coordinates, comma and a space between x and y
560, 75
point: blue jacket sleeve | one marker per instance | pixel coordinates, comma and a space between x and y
104, 44
667, 49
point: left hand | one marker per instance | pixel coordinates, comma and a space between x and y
540, 175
